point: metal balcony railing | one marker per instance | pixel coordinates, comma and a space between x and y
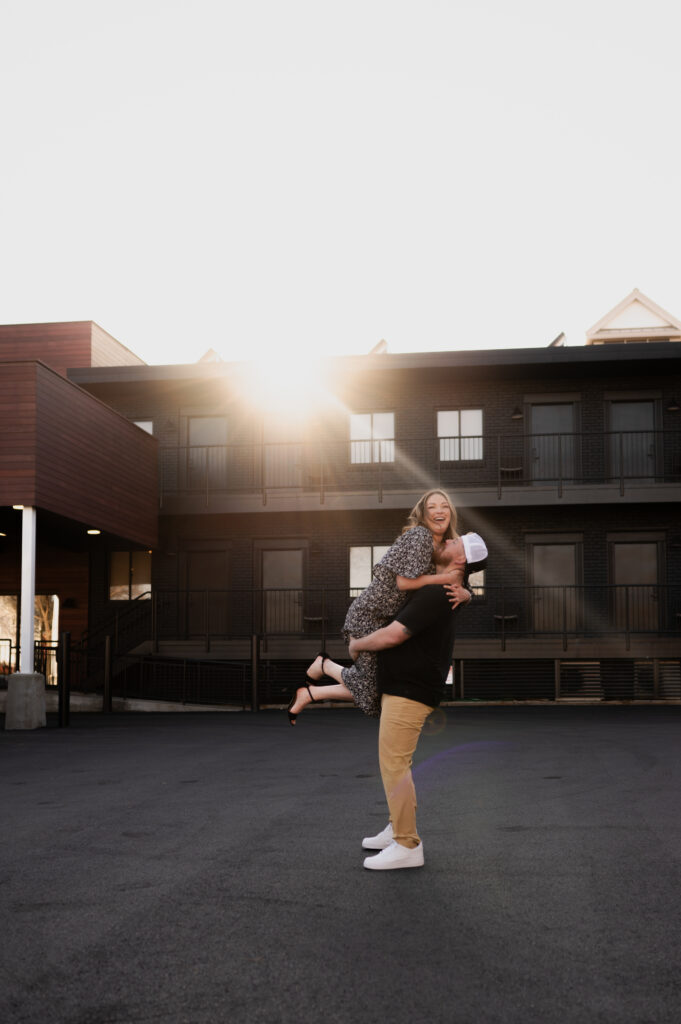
8, 656
211, 617
564, 612
492, 461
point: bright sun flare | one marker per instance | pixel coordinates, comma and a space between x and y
284, 386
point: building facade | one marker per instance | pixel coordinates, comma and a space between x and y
272, 505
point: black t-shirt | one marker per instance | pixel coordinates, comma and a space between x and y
418, 668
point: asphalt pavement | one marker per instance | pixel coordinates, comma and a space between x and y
207, 868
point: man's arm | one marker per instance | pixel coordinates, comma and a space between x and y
388, 636
452, 576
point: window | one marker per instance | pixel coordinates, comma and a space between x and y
147, 425
130, 575
372, 437
45, 633
362, 561
476, 581
460, 434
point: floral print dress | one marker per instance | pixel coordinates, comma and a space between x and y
411, 556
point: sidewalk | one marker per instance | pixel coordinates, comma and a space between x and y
207, 868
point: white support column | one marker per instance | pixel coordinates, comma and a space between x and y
28, 532
25, 705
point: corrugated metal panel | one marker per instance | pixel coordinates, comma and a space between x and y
669, 679
644, 680
580, 680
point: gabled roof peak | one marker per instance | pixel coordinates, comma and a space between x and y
635, 319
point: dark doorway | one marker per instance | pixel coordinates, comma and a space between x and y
632, 439
206, 576
553, 568
282, 585
552, 442
635, 573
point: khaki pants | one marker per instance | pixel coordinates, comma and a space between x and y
401, 724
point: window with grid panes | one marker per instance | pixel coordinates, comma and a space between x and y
460, 434
372, 437
362, 560
130, 575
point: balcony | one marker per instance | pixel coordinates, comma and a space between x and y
522, 469
562, 643
510, 621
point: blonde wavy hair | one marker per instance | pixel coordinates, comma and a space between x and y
417, 516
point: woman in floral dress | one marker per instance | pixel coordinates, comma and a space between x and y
409, 564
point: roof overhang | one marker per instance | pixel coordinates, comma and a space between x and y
67, 453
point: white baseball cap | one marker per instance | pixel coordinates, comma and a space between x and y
475, 547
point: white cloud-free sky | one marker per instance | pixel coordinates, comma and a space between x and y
265, 177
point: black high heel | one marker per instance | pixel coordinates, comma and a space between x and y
310, 682
305, 686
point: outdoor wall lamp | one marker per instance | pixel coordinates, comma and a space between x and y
673, 406
517, 413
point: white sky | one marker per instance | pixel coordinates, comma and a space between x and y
269, 177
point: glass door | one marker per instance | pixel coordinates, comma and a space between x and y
206, 603
206, 467
634, 568
632, 440
9, 632
554, 587
552, 442
282, 585
45, 634
283, 451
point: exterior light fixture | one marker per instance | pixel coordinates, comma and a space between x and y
18, 507
673, 406
517, 413
94, 533
2, 534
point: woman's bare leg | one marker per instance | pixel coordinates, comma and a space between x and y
321, 667
336, 691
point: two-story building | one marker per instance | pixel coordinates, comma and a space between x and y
275, 495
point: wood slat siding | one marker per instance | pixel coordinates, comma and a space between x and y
106, 351
64, 346
17, 434
58, 345
68, 575
65, 573
96, 466
68, 453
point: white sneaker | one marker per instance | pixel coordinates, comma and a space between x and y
396, 856
380, 841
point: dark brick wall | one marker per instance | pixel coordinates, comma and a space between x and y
328, 535
414, 395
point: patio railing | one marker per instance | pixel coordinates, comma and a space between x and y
496, 461
559, 611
